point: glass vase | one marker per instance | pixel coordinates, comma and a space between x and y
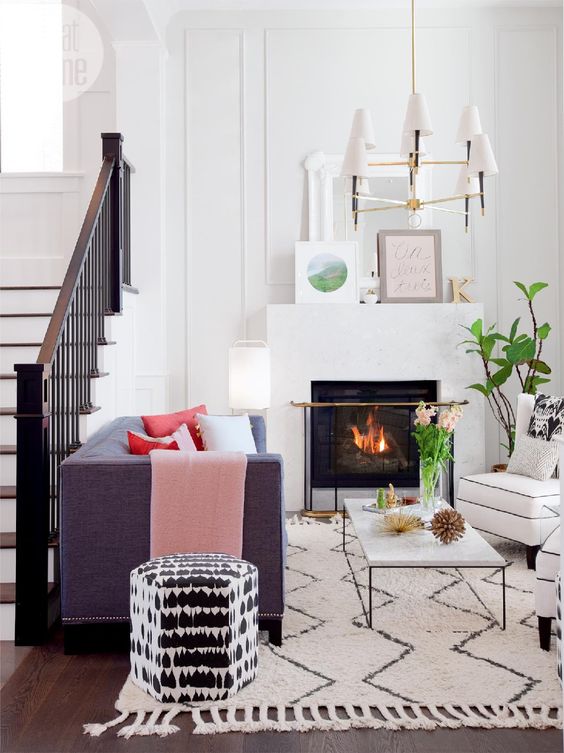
429, 484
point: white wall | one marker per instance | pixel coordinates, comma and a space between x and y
249, 94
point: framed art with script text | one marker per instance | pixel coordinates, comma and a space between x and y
410, 266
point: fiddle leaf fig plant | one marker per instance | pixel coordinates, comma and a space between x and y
503, 356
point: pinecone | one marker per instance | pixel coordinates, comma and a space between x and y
448, 525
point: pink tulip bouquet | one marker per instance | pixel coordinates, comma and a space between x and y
434, 440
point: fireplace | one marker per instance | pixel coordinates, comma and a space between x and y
363, 446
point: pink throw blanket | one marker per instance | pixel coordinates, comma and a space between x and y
197, 502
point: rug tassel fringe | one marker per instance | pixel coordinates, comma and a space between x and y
305, 718
95, 730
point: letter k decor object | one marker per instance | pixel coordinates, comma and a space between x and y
459, 295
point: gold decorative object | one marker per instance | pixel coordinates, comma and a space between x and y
401, 522
448, 525
391, 496
459, 295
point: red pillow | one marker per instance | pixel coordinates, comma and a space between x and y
140, 445
166, 424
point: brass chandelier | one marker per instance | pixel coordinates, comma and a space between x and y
479, 163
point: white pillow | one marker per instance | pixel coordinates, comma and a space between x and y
183, 439
227, 433
534, 458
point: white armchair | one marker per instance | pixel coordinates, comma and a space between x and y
511, 506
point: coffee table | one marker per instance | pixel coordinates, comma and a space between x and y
417, 549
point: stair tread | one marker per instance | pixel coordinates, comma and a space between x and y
7, 411
20, 345
30, 287
8, 592
8, 376
7, 449
8, 540
39, 314
7, 491
89, 411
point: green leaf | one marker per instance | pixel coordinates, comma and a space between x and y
499, 336
476, 328
513, 331
540, 366
488, 344
543, 331
479, 388
474, 350
535, 288
502, 375
522, 288
520, 351
501, 362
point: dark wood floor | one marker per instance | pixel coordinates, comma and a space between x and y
49, 696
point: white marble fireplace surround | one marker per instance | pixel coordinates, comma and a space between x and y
382, 342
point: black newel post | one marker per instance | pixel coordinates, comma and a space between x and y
32, 512
112, 147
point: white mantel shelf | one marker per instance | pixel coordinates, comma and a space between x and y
382, 342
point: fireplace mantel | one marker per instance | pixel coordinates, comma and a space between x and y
383, 342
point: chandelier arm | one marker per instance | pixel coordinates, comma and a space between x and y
385, 201
403, 205
388, 164
445, 162
451, 198
451, 211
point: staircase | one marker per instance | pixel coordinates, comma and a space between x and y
64, 387
24, 314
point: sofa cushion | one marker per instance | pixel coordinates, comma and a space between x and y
507, 492
534, 458
227, 433
166, 423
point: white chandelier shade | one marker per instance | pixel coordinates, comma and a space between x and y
469, 125
482, 158
466, 184
417, 117
408, 145
249, 375
355, 162
363, 128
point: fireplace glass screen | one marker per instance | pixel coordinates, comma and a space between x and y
359, 446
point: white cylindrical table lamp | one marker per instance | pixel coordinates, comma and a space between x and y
249, 375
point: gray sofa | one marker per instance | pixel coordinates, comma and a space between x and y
105, 518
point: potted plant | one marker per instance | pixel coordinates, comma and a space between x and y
520, 357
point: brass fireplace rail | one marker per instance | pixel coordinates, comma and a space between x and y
308, 510
376, 405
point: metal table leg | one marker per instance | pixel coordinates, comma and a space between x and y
370, 597
343, 530
503, 590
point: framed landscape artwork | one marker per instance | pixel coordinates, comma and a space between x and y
410, 266
326, 272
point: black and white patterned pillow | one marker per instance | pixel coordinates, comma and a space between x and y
534, 458
547, 421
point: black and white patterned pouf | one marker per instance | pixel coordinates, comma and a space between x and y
194, 626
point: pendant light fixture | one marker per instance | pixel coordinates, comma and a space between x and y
479, 163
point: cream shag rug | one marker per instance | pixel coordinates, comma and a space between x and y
436, 657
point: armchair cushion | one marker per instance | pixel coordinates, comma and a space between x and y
510, 493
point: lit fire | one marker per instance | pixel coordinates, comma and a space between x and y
373, 441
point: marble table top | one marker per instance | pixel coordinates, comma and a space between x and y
417, 548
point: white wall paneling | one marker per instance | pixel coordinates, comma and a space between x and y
39, 224
215, 207
251, 94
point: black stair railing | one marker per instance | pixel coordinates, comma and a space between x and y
55, 391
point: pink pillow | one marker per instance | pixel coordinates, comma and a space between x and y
183, 439
165, 424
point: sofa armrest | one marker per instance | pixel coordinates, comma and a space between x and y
105, 531
264, 530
